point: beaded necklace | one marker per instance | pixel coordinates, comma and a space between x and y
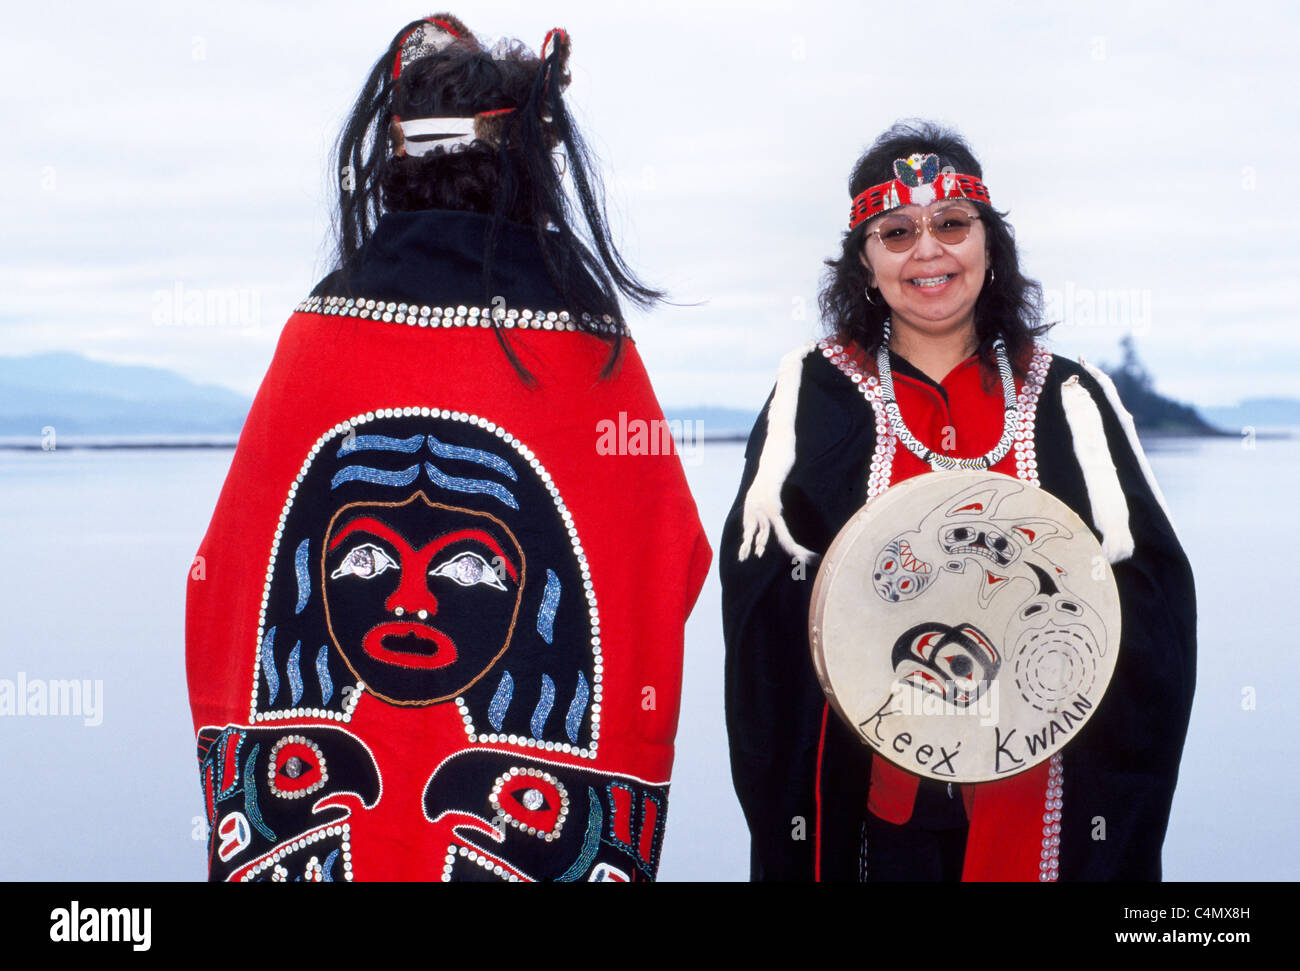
938, 462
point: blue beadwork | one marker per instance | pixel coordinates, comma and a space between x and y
483, 486
501, 701
268, 665
294, 670
544, 705
465, 454
302, 574
226, 755
328, 866
251, 809
546, 612
359, 442
577, 708
657, 837
323, 675
590, 842
612, 837
364, 473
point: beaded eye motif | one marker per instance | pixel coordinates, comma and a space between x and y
517, 818
531, 800
264, 791
468, 569
365, 561
296, 767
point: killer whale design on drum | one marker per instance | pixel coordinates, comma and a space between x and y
973, 642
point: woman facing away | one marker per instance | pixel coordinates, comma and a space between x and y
436, 632
933, 361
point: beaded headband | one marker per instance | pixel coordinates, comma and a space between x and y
919, 182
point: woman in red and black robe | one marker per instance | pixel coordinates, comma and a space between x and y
819, 804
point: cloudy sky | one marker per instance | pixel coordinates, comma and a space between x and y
1145, 152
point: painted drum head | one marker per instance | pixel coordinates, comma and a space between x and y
965, 624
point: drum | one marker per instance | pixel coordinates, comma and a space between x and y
965, 624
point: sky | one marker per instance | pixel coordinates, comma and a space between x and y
154, 151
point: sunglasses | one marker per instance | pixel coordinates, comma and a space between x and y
900, 232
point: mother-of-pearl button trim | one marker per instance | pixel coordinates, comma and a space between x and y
417, 315
878, 481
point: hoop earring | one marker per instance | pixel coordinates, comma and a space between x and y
992, 275
867, 293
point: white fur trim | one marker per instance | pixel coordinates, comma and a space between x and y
762, 512
1130, 430
1106, 495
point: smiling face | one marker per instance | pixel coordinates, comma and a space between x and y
932, 287
420, 598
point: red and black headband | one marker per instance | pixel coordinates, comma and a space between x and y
919, 181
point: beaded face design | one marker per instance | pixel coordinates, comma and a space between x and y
420, 598
423, 558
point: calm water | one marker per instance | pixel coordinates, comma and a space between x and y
98, 545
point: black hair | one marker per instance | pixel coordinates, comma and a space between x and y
516, 179
1009, 306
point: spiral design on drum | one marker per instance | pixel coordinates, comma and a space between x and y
1051, 665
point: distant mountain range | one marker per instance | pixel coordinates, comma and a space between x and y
709, 421
80, 397
1257, 413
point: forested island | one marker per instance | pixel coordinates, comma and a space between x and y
1153, 413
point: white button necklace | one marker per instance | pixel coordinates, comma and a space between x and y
937, 461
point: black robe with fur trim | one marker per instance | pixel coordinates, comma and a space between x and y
805, 795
